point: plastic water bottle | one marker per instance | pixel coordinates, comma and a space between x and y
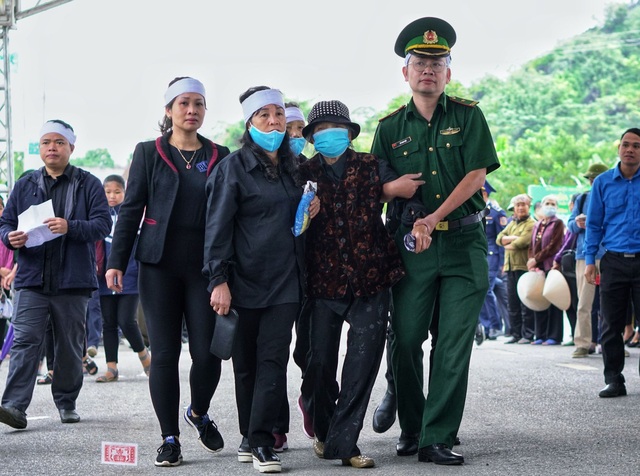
410, 242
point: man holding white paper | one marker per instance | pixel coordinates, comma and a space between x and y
55, 276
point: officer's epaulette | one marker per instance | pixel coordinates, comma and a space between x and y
393, 113
464, 102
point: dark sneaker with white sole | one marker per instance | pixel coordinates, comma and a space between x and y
266, 460
169, 453
208, 434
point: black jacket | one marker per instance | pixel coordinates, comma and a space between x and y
151, 193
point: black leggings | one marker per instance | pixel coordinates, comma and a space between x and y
168, 292
120, 310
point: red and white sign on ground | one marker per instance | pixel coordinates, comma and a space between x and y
119, 453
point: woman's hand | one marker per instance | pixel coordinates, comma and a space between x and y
314, 207
221, 299
114, 280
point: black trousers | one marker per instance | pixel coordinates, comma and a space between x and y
338, 413
520, 316
548, 324
619, 283
120, 310
171, 291
260, 357
300, 351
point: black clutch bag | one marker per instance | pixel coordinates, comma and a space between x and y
224, 335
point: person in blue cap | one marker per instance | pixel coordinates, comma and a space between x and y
495, 222
446, 142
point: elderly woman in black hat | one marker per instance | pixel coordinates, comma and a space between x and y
252, 257
352, 262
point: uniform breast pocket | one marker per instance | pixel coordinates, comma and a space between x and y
449, 146
407, 158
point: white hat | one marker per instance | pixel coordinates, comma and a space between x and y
556, 290
530, 286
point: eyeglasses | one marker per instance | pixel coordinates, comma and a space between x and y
435, 66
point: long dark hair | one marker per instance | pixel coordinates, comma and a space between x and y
287, 161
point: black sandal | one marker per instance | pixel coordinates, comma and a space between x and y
90, 366
46, 379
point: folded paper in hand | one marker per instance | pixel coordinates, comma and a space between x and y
31, 222
224, 334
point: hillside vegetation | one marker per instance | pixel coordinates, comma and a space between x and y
554, 116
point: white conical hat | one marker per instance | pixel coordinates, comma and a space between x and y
530, 286
556, 290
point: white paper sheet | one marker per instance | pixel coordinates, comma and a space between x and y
31, 222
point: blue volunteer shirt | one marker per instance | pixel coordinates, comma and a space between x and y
613, 216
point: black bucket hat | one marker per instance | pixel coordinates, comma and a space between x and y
329, 111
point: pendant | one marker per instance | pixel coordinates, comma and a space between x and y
188, 166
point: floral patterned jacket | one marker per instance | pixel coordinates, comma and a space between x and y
347, 245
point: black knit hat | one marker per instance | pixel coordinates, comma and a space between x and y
329, 111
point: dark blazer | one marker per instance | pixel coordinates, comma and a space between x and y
152, 188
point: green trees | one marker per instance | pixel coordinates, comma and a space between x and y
94, 158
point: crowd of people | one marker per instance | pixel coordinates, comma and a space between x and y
197, 233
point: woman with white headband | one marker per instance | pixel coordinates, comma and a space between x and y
165, 192
255, 263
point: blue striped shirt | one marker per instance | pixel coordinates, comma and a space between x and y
613, 217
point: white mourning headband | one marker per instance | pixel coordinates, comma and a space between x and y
259, 100
57, 128
185, 85
293, 114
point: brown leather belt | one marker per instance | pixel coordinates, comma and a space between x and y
464, 221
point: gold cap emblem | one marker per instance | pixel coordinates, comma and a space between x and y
430, 37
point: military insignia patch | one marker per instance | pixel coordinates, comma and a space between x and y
430, 37
503, 221
400, 143
449, 131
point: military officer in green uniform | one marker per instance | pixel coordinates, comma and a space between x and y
444, 141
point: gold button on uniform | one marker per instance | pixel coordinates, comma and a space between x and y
433, 172
437, 195
448, 146
430, 149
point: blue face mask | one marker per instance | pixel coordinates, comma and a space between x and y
331, 142
297, 144
269, 141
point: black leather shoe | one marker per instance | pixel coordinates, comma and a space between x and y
384, 416
439, 454
266, 460
244, 451
615, 389
13, 417
480, 336
69, 416
407, 444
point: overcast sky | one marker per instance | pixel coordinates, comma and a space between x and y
103, 65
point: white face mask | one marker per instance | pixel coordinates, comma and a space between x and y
549, 210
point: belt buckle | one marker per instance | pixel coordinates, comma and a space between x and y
442, 226
629, 255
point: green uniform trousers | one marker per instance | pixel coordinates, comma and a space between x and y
454, 272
